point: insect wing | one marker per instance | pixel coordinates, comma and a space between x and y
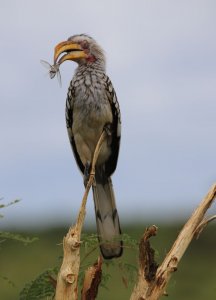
45, 64
53, 70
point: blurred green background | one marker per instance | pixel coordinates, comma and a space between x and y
195, 278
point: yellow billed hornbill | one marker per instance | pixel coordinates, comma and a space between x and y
91, 107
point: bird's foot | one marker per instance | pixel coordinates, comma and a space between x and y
86, 173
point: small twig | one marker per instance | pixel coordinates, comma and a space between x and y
202, 225
53, 281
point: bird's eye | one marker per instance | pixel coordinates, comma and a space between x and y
85, 44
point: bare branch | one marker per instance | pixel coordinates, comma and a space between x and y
148, 266
203, 224
67, 281
92, 280
153, 290
172, 259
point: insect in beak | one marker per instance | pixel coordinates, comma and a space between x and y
53, 70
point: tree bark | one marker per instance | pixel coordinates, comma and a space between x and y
67, 281
154, 288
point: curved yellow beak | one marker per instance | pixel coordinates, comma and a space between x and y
73, 52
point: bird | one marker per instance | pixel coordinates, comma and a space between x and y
91, 107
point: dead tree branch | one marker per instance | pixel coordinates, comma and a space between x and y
153, 288
92, 281
67, 281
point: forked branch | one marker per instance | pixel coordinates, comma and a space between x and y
155, 288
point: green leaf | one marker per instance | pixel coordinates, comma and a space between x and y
10, 203
40, 288
129, 241
17, 237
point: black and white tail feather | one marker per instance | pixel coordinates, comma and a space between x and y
107, 219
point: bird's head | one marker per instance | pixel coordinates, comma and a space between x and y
80, 48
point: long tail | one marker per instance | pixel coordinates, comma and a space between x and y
108, 227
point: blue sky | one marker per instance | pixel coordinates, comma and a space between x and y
161, 60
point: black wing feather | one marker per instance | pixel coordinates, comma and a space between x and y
111, 163
69, 123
